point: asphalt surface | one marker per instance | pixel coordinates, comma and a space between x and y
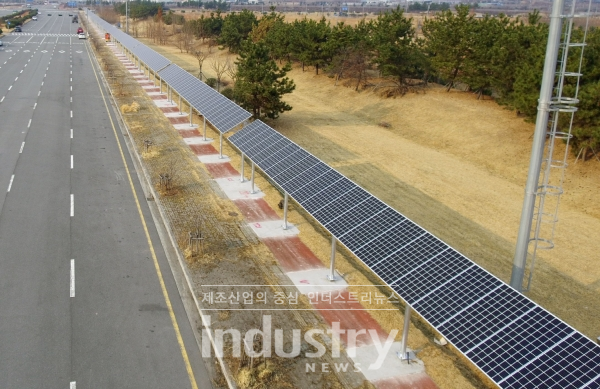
81, 264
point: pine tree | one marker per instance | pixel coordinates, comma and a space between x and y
260, 83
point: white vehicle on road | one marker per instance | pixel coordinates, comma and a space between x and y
81, 35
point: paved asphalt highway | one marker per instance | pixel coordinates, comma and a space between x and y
87, 297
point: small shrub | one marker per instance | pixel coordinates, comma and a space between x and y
212, 82
228, 92
183, 11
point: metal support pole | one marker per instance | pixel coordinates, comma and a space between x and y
204, 132
160, 85
191, 125
221, 145
332, 277
242, 169
405, 331
179, 105
537, 148
154, 81
285, 207
252, 179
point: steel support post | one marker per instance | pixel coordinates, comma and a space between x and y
204, 131
179, 105
191, 125
221, 145
405, 331
285, 207
242, 169
252, 179
331, 276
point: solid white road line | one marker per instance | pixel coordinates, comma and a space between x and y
22, 145
72, 385
10, 183
72, 286
72, 205
71, 161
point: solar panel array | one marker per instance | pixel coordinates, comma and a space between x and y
511, 339
218, 110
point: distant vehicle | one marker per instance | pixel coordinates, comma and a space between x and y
34, 18
59, 14
75, 19
49, 14
1, 44
17, 29
81, 35
80, 30
70, 14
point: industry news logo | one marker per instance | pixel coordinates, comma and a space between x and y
272, 342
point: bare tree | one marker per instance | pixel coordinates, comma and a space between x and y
200, 56
219, 67
231, 70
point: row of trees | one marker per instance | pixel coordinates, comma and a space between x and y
491, 56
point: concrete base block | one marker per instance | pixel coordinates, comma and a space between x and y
315, 281
213, 158
165, 103
272, 229
198, 140
157, 94
392, 365
236, 190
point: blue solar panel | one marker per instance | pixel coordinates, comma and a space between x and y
316, 185
372, 228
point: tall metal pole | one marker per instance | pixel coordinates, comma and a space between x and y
537, 149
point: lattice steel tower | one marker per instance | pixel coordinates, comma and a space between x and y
547, 165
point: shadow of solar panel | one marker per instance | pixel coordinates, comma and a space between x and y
327, 195
370, 229
356, 195
413, 246
442, 303
293, 158
572, 364
476, 323
315, 186
520, 344
292, 174
351, 217
428, 276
